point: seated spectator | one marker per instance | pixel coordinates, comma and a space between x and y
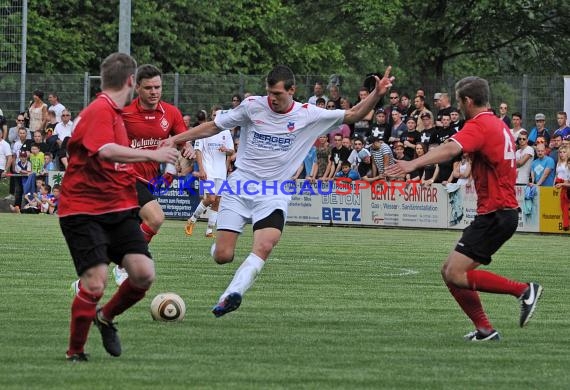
347, 172
53, 201
382, 156
542, 170
366, 168
523, 156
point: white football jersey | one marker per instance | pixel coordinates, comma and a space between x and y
273, 145
213, 160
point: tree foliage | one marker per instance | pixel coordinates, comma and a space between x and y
426, 40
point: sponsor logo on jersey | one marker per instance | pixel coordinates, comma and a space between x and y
272, 142
144, 143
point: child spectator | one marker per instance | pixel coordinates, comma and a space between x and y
37, 159
346, 171
49, 164
53, 201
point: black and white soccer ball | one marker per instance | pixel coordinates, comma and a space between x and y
168, 307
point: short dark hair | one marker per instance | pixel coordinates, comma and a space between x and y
116, 69
321, 100
147, 71
475, 88
517, 114
281, 73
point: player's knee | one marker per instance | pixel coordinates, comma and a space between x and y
222, 255
143, 278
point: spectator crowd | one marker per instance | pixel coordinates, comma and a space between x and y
404, 128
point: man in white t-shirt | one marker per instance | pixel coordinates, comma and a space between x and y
523, 156
211, 153
276, 135
55, 106
64, 128
5, 157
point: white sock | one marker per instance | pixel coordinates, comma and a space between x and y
212, 219
199, 210
245, 276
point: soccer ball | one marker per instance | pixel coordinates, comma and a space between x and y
168, 307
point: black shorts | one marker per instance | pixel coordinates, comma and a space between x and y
98, 239
143, 193
487, 233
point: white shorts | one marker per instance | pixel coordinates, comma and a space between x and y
238, 208
211, 186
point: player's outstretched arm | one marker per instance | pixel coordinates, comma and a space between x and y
124, 154
203, 130
359, 111
444, 152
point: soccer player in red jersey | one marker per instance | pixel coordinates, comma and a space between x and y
148, 121
492, 147
98, 209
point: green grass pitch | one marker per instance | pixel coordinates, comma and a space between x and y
334, 308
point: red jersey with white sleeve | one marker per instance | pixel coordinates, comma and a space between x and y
492, 147
92, 185
146, 128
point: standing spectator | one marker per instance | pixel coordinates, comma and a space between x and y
398, 128
542, 169
523, 156
334, 93
187, 118
354, 158
318, 92
562, 182
321, 103
421, 109
428, 127
411, 138
444, 104
393, 105
562, 120
504, 114
362, 127
236, 100
3, 125
38, 111
497, 210
555, 143
539, 131
382, 156
367, 168
102, 226
13, 132
456, 121
517, 124
51, 124
379, 127
406, 106
5, 157
55, 106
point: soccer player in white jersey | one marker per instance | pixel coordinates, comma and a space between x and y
276, 135
211, 156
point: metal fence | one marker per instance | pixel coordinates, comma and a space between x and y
191, 93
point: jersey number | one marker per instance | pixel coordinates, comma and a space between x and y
509, 148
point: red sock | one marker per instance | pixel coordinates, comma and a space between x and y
471, 304
126, 296
148, 233
83, 311
486, 281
